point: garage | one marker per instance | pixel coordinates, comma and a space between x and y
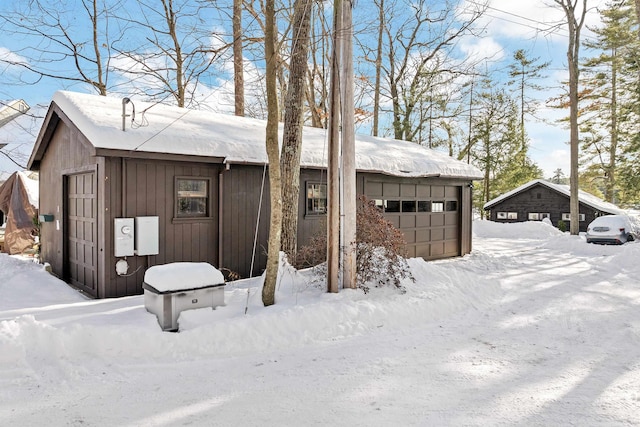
201, 175
427, 214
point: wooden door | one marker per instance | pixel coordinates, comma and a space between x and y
81, 232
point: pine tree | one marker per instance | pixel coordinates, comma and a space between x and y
610, 81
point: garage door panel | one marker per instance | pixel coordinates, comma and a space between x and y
451, 219
409, 236
437, 249
423, 220
437, 191
408, 190
390, 189
450, 247
423, 191
407, 221
411, 251
423, 251
451, 192
423, 235
437, 234
437, 220
374, 189
450, 233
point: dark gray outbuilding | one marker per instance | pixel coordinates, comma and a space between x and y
202, 175
540, 199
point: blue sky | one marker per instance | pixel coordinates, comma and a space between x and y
510, 25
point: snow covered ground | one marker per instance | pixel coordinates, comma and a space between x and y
534, 327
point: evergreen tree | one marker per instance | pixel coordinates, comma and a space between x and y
608, 117
495, 140
524, 72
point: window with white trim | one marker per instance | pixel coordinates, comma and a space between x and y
537, 216
567, 217
316, 198
507, 215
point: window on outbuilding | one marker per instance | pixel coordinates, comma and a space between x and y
392, 206
437, 206
507, 215
316, 198
192, 197
408, 206
537, 216
567, 217
424, 206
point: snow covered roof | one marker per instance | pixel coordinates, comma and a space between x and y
583, 197
9, 110
166, 129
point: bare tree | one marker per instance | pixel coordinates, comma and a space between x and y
378, 79
317, 94
574, 23
238, 60
173, 49
275, 228
417, 38
293, 120
57, 44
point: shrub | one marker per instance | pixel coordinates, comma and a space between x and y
380, 250
562, 226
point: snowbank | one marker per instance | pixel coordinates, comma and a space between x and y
538, 230
535, 327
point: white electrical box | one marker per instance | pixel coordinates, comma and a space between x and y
123, 236
147, 235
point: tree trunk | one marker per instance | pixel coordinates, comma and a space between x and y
613, 148
573, 58
376, 94
293, 120
170, 17
238, 69
269, 287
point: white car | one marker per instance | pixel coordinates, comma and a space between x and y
610, 229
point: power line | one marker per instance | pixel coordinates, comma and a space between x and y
555, 28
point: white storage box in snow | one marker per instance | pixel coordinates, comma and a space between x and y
173, 288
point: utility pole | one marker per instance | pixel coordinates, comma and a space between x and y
341, 206
348, 182
333, 169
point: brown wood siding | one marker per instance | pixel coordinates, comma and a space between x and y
241, 189
540, 199
148, 190
67, 153
309, 225
240, 204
